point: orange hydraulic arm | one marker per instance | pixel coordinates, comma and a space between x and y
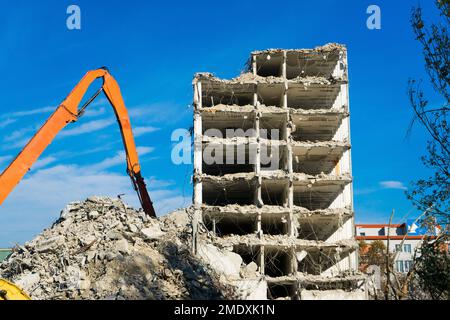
68, 112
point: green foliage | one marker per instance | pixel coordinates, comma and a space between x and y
433, 267
375, 255
432, 193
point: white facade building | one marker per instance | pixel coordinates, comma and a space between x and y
404, 239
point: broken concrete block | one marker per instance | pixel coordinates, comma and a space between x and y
152, 233
332, 295
94, 199
114, 235
93, 214
301, 255
87, 239
178, 218
110, 256
122, 246
75, 278
84, 284
250, 270
91, 255
252, 289
68, 209
28, 281
133, 228
227, 263
101, 255
50, 244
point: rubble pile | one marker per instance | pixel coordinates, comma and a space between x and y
103, 249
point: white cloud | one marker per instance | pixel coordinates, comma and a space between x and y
4, 159
29, 112
69, 154
159, 112
19, 138
153, 182
19, 144
91, 113
99, 102
139, 111
42, 163
364, 191
392, 185
118, 159
108, 162
144, 150
171, 203
7, 122
140, 131
87, 127
18, 134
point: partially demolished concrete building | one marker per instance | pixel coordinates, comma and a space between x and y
272, 170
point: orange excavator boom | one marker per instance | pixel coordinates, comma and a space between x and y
68, 112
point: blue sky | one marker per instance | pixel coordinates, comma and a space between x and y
153, 50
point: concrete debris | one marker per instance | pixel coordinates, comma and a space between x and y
28, 280
332, 295
248, 109
250, 78
179, 219
241, 176
277, 175
329, 47
232, 140
253, 210
226, 263
152, 233
252, 289
250, 270
216, 142
283, 242
102, 249
301, 255
337, 111
244, 210
323, 144
230, 109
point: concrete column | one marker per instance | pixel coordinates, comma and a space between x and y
258, 192
262, 263
258, 224
294, 264
290, 170
198, 187
286, 86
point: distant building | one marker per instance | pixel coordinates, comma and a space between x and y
410, 232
